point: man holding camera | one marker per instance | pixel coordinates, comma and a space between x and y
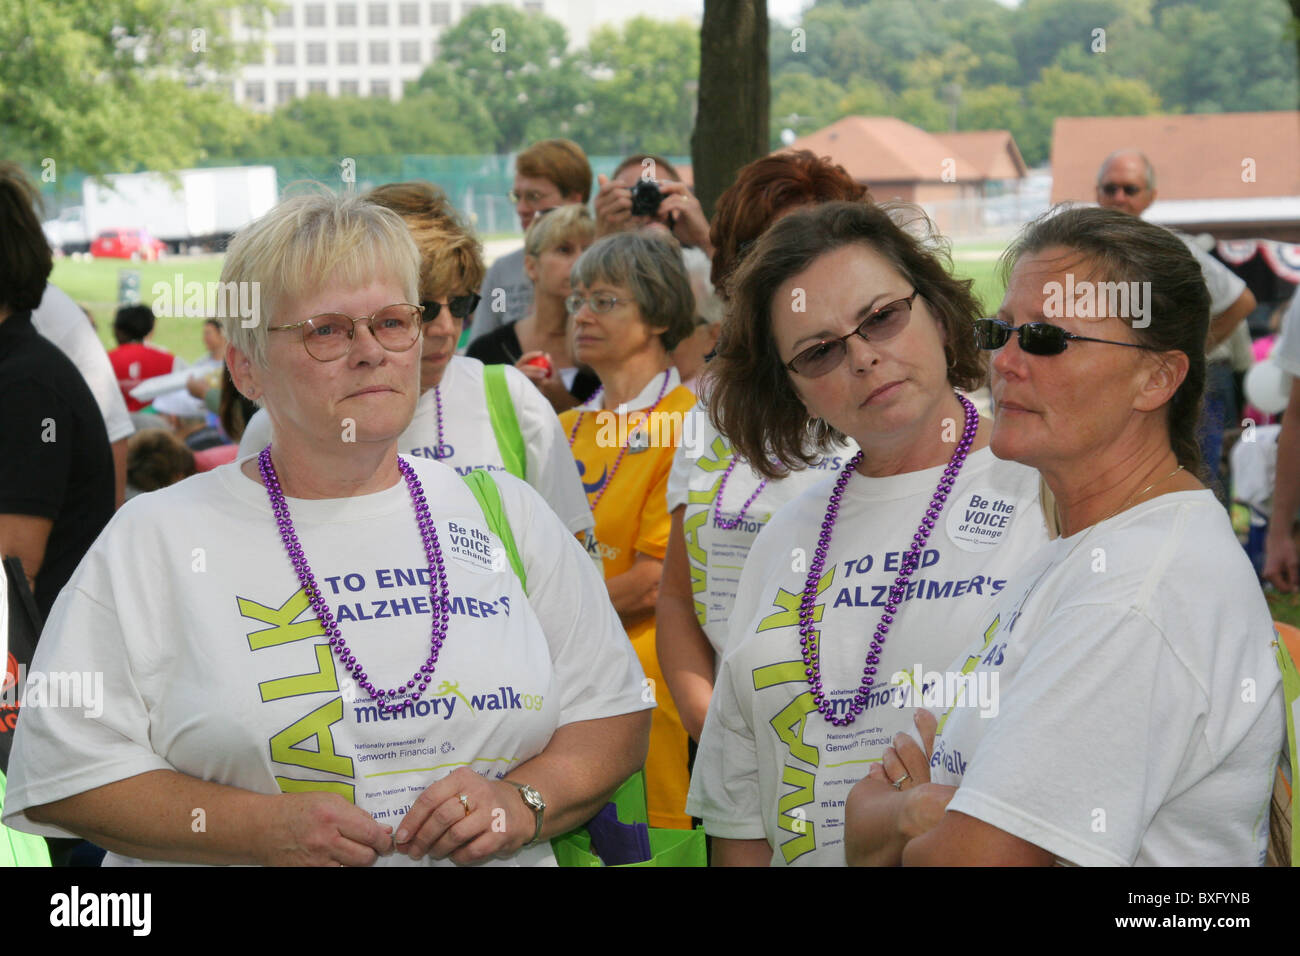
645, 192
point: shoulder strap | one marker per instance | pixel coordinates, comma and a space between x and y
489, 499
1051, 518
505, 425
1287, 648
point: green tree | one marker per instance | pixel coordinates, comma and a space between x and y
922, 108
1219, 55
424, 122
984, 26
804, 103
643, 87
1043, 29
516, 66
113, 86
993, 107
864, 98
1060, 93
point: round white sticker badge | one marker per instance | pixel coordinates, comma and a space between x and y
978, 520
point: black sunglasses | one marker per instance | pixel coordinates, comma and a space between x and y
1036, 338
461, 306
1111, 189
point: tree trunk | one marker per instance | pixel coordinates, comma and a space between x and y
731, 125
1295, 29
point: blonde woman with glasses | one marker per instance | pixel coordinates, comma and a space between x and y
318, 645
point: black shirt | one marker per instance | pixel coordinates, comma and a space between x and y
501, 347
55, 458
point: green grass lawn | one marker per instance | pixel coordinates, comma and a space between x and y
1284, 607
988, 287
94, 283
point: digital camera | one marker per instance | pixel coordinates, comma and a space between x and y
646, 197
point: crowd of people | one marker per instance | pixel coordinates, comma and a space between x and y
765, 508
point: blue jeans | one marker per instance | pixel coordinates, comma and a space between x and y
1219, 407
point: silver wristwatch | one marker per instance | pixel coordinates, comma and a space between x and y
533, 800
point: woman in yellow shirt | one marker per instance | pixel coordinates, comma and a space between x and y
631, 305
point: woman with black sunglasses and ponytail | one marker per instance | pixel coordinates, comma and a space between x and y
842, 324
1140, 712
469, 416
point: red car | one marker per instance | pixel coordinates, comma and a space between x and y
127, 244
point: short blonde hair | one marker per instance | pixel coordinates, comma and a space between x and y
451, 259
562, 224
302, 244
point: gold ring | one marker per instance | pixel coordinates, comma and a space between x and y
464, 802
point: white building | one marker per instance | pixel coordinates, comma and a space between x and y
374, 47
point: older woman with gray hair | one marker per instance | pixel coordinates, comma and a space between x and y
319, 654
631, 305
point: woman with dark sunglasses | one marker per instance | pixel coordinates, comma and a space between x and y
468, 417
1139, 716
842, 324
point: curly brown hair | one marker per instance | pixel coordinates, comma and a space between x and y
763, 189
752, 401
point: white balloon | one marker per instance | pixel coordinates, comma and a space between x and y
1267, 387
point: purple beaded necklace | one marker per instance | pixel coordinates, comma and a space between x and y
809, 636
573, 434
437, 404
437, 576
724, 524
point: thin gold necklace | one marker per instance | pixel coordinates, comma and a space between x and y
1133, 498
1127, 501
1083, 536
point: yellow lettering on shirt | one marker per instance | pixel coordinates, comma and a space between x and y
805, 839
972, 661
789, 601
282, 629
789, 725
316, 726
322, 679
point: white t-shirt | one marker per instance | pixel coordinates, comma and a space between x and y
1286, 350
61, 321
469, 442
717, 555
214, 666
1224, 285
506, 296
1139, 713
769, 765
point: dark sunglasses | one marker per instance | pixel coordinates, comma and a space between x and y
884, 323
1111, 189
1036, 338
460, 306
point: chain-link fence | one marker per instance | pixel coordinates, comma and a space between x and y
478, 186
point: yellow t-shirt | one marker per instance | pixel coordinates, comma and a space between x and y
632, 516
